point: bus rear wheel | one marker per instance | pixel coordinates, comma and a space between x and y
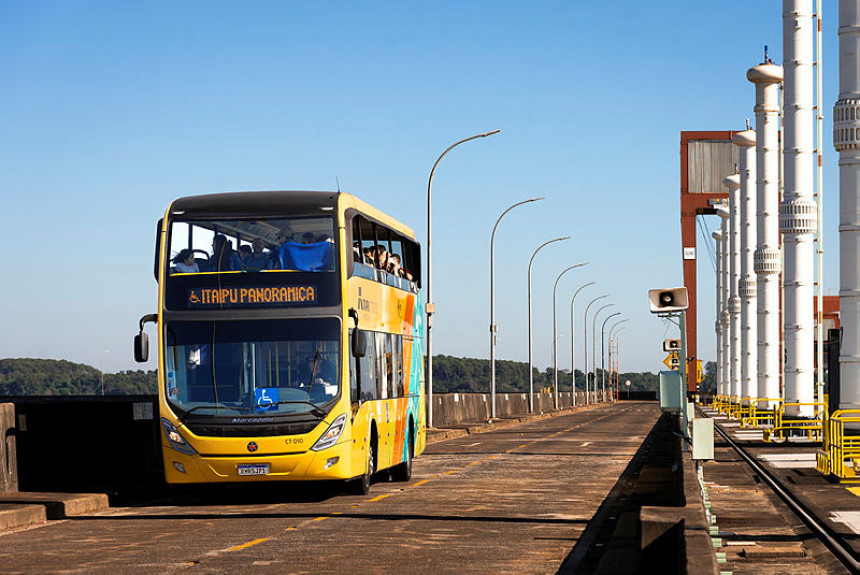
361, 485
403, 471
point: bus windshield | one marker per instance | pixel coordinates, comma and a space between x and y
272, 367
295, 243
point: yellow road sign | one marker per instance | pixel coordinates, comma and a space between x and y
672, 361
700, 375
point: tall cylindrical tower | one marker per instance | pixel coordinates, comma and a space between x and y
722, 388
797, 212
766, 77
733, 183
723, 311
846, 140
747, 283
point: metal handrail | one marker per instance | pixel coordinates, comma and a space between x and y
757, 417
812, 428
838, 448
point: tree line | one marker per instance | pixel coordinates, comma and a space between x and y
61, 377
450, 374
464, 374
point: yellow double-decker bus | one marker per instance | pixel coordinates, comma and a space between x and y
289, 340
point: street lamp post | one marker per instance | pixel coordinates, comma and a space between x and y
611, 330
617, 363
554, 349
594, 342
585, 340
602, 358
102, 370
531, 376
573, 347
430, 306
555, 330
493, 328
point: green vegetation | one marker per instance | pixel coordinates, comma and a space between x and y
465, 374
61, 377
709, 383
460, 374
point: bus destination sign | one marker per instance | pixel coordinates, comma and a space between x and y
252, 296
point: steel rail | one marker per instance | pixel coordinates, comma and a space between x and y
835, 543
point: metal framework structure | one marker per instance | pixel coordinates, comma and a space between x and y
704, 163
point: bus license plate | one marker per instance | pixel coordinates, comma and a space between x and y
255, 469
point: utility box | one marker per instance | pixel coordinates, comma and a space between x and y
671, 392
703, 438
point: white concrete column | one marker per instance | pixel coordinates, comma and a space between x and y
723, 312
747, 282
766, 78
722, 388
797, 213
846, 140
733, 183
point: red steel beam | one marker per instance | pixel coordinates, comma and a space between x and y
691, 206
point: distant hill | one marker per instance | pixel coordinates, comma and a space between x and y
61, 377
454, 374
473, 375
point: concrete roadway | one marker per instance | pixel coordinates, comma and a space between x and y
511, 500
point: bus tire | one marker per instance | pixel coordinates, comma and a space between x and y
403, 471
361, 484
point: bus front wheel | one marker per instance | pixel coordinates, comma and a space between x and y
361, 485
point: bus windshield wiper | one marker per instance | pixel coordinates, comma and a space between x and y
215, 406
314, 408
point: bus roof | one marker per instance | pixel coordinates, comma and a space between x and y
252, 204
259, 204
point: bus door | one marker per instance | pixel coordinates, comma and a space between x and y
386, 416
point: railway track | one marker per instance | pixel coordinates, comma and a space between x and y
834, 542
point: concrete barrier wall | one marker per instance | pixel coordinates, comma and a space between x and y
86, 443
8, 454
453, 409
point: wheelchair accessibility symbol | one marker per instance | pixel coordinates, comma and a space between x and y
266, 398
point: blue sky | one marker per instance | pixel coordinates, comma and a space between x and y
111, 110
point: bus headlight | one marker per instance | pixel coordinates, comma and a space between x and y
175, 438
332, 434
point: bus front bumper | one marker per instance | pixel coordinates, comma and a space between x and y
332, 463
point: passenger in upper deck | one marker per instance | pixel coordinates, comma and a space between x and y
397, 269
244, 254
381, 257
313, 254
259, 259
223, 259
185, 263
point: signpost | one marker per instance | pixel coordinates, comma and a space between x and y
672, 361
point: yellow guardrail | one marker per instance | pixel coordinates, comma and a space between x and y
720, 402
785, 426
733, 406
840, 453
743, 410
761, 416
728, 404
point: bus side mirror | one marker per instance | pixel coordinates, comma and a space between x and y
141, 347
141, 340
359, 343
